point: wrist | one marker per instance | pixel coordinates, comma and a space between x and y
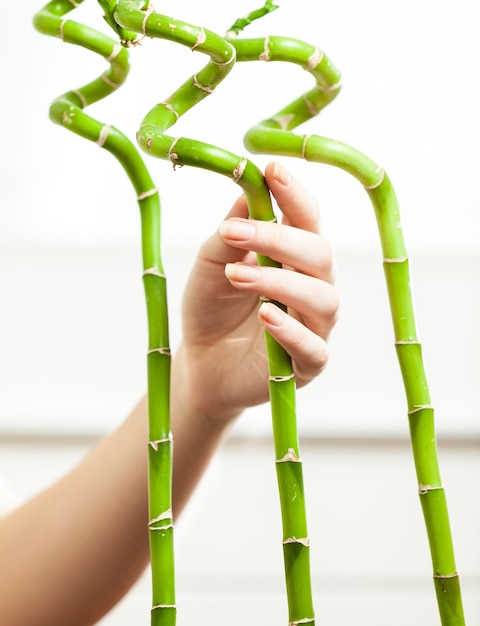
191, 398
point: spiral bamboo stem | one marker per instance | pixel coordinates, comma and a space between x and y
274, 136
68, 111
152, 138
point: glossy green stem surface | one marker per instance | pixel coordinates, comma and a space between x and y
274, 136
181, 151
68, 111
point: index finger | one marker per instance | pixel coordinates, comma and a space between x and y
298, 206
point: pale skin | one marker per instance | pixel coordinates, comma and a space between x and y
70, 554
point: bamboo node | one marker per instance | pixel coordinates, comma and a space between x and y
304, 146
164, 527
312, 109
284, 120
166, 516
314, 59
265, 55
154, 444
173, 156
229, 61
165, 351
147, 194
305, 620
200, 86
402, 259
153, 271
424, 489
305, 541
117, 48
61, 34
440, 576
238, 171
163, 606
378, 183
329, 88
281, 379
170, 108
103, 136
419, 407
290, 457
81, 97
108, 81
409, 342
148, 11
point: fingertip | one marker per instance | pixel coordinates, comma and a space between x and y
271, 315
279, 173
308, 350
298, 206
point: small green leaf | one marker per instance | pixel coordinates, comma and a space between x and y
243, 22
126, 37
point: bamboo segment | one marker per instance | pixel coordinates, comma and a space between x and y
273, 136
67, 111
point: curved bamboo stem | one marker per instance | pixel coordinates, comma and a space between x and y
67, 110
152, 138
274, 136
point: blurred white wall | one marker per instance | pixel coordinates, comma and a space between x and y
72, 325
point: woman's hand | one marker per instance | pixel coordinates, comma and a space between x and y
222, 358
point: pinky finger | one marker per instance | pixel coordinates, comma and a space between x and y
309, 352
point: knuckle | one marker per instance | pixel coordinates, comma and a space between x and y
332, 307
327, 262
313, 364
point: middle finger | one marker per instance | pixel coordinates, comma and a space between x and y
299, 249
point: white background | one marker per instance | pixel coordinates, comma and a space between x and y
72, 319
72, 315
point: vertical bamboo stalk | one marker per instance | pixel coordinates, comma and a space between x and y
181, 151
274, 136
67, 111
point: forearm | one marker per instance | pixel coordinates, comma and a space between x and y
71, 553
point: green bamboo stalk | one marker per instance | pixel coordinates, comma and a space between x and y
181, 151
67, 110
274, 136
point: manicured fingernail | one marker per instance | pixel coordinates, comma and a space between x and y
271, 314
281, 174
240, 273
237, 230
